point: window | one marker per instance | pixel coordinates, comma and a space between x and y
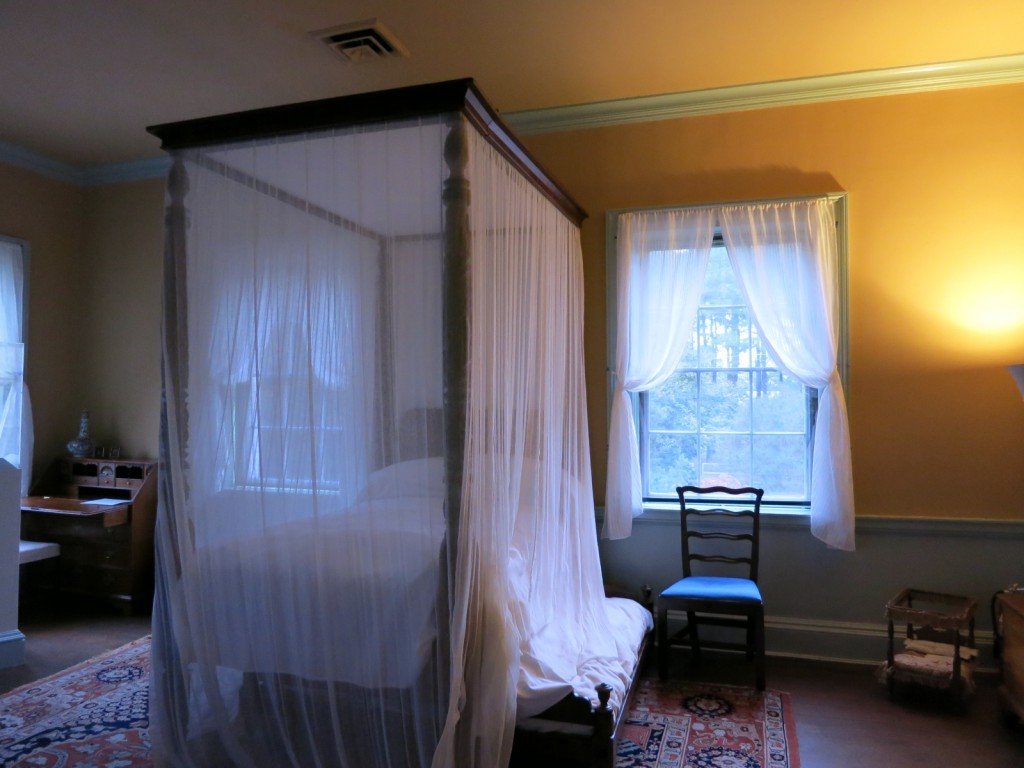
276, 445
15, 412
727, 416
728, 350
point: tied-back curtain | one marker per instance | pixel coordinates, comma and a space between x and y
528, 591
16, 435
784, 255
662, 257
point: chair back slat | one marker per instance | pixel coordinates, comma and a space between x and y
723, 535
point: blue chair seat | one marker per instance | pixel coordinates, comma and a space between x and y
715, 588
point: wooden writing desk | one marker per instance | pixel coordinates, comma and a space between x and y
106, 550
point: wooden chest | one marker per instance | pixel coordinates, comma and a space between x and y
1010, 618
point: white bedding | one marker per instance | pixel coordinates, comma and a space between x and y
609, 656
313, 621
315, 631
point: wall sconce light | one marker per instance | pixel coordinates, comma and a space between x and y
1017, 371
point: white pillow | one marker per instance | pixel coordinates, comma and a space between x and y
417, 477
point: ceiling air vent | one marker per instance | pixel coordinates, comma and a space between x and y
361, 41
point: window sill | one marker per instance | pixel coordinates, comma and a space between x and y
667, 513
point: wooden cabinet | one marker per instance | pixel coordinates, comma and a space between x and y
1010, 625
102, 513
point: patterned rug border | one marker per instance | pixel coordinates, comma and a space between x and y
127, 647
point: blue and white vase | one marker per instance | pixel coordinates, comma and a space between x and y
83, 445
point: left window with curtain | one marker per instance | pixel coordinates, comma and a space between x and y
15, 410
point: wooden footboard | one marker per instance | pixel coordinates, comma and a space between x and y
573, 732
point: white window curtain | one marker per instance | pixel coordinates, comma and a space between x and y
16, 434
662, 257
784, 254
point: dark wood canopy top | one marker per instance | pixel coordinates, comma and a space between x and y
449, 97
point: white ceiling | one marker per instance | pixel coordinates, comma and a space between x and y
81, 79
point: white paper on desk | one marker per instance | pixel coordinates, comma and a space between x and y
104, 502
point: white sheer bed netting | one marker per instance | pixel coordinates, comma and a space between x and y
302, 613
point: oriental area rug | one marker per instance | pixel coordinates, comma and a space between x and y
676, 724
93, 715
96, 715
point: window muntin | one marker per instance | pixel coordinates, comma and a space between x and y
728, 416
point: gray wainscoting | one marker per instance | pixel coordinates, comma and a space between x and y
827, 604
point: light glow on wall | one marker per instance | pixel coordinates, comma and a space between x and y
987, 298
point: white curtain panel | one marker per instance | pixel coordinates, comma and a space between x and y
662, 257
784, 255
16, 433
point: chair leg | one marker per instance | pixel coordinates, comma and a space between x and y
691, 628
758, 622
662, 643
751, 637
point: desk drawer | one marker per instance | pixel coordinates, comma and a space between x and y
111, 552
95, 579
40, 526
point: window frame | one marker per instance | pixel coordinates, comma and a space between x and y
840, 204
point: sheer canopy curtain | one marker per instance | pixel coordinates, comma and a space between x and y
661, 260
300, 543
304, 615
784, 255
16, 437
528, 591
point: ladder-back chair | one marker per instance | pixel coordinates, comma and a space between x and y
720, 547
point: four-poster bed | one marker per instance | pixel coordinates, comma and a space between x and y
376, 540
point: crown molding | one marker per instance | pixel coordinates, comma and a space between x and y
113, 173
133, 170
995, 70
18, 156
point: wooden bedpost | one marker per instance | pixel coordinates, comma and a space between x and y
456, 323
603, 742
455, 357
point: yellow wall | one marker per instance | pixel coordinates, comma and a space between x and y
93, 308
50, 216
124, 241
936, 241
936, 270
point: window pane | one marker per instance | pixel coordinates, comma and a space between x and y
672, 462
725, 460
725, 401
779, 403
673, 405
780, 463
